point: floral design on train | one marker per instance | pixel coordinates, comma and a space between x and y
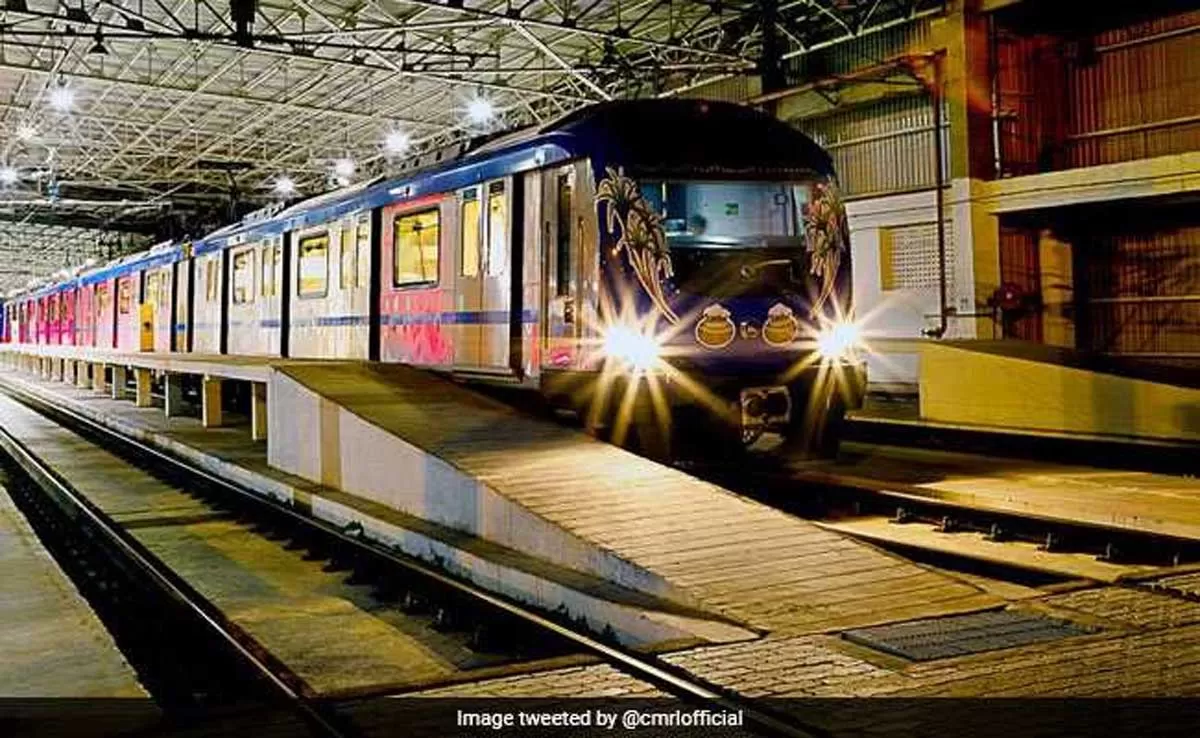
638, 231
825, 229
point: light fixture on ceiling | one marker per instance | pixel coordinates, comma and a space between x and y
285, 185
98, 48
344, 169
62, 97
480, 109
26, 131
397, 142
8, 175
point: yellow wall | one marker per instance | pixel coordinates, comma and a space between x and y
966, 387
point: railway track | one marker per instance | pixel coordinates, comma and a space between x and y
840, 502
239, 663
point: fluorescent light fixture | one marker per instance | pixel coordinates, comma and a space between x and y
8, 175
397, 142
285, 185
344, 168
480, 110
62, 97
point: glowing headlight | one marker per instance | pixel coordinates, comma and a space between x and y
839, 341
637, 349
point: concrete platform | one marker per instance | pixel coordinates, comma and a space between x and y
691, 561
334, 637
1126, 500
51, 643
1019, 385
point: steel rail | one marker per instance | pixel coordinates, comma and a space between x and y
165, 579
649, 669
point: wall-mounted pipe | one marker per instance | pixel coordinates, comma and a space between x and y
939, 184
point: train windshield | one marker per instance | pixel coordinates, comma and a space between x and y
729, 239
729, 215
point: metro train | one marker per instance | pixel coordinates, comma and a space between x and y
674, 271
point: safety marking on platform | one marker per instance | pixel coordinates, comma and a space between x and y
938, 638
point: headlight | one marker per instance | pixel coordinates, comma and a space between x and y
638, 350
839, 341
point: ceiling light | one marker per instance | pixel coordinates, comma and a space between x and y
26, 131
397, 142
480, 110
285, 185
8, 175
98, 48
344, 168
62, 97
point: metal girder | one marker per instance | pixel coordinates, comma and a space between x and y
297, 83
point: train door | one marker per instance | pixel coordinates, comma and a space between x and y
496, 281
483, 285
561, 239
468, 283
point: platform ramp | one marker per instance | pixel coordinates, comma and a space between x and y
433, 449
1025, 386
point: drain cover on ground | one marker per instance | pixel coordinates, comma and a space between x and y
939, 638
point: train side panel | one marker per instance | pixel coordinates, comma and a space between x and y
531, 275
106, 305
208, 310
158, 295
254, 300
128, 320
416, 243
183, 304
66, 317
85, 307
330, 300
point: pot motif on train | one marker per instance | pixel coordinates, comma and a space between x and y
781, 327
715, 329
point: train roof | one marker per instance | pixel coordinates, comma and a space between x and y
651, 138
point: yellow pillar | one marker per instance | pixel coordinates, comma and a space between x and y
99, 380
210, 402
118, 382
142, 377
258, 411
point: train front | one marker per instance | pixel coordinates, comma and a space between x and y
725, 300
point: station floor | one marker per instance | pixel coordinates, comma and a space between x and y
1138, 639
51, 643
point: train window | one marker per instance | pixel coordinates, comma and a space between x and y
563, 247
243, 277
314, 266
124, 296
165, 292
415, 249
270, 258
469, 253
348, 277
212, 279
497, 256
152, 287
